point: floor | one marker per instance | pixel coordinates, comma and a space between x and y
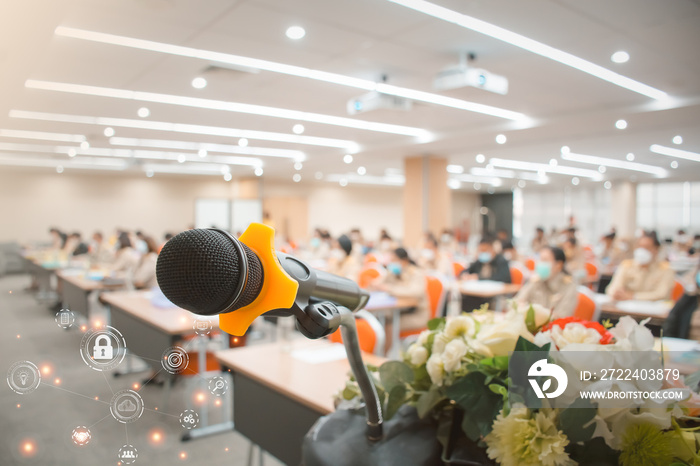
36, 428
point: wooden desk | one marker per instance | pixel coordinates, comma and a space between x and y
611, 310
75, 290
279, 396
394, 307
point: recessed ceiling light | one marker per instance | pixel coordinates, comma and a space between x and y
343, 182
258, 171
361, 171
298, 166
620, 57
477, 186
678, 139
296, 178
318, 175
109, 132
149, 173
455, 169
298, 129
565, 149
501, 139
143, 112
490, 190
602, 169
607, 185
674, 164
453, 184
553, 162
630, 156
59, 169
84, 145
199, 83
243, 142
296, 32
181, 158
521, 183
225, 169
227, 176
202, 152
575, 181
347, 158
72, 152
615, 163
621, 124
480, 158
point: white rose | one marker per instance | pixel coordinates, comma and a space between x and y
439, 343
632, 336
417, 354
453, 354
501, 337
462, 325
542, 314
480, 348
423, 337
435, 369
573, 333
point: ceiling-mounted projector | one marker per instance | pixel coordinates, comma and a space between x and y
461, 75
376, 100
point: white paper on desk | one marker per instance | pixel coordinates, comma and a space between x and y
380, 299
327, 353
602, 298
482, 285
646, 307
680, 345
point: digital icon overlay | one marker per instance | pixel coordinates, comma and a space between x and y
103, 348
81, 436
65, 318
126, 406
127, 454
23, 377
175, 360
218, 386
202, 326
189, 419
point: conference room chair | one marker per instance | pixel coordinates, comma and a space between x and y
587, 308
516, 276
530, 264
677, 291
437, 294
368, 275
457, 268
591, 273
370, 332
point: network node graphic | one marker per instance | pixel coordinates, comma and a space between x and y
81, 436
23, 377
65, 318
126, 406
103, 349
127, 454
189, 419
218, 386
175, 360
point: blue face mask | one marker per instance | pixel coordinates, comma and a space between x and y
697, 278
315, 242
485, 257
394, 267
543, 270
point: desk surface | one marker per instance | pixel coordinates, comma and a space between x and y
611, 308
86, 284
174, 320
488, 292
311, 384
390, 304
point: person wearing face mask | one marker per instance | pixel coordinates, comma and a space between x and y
405, 280
644, 277
551, 286
126, 257
678, 322
489, 265
575, 261
99, 250
433, 258
539, 241
342, 262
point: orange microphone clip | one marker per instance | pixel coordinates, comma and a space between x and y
278, 291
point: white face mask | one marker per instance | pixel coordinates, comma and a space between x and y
428, 254
642, 256
338, 254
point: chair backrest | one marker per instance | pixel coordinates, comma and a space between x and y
587, 308
436, 295
367, 276
530, 264
591, 269
457, 268
370, 333
370, 258
516, 276
677, 291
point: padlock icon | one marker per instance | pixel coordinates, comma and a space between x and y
101, 351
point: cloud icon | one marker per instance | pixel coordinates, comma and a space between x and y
126, 405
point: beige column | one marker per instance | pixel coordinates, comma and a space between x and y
426, 198
624, 208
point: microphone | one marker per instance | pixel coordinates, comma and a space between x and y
209, 271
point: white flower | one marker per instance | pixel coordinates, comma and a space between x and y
573, 332
480, 348
423, 337
453, 354
436, 370
439, 343
542, 314
462, 325
500, 338
417, 354
632, 336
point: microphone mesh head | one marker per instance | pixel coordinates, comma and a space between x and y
200, 270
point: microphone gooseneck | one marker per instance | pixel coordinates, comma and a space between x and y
209, 272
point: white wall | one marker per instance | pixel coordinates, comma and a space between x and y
667, 207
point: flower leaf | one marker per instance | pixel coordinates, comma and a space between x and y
480, 405
395, 373
573, 419
524, 345
428, 401
397, 397
530, 320
434, 324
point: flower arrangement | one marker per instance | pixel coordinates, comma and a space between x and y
456, 374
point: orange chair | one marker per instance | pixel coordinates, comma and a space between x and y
516, 276
370, 258
530, 264
367, 276
591, 274
586, 309
457, 268
370, 333
436, 298
677, 291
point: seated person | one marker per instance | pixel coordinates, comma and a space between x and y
145, 273
433, 258
644, 277
58, 238
575, 260
539, 241
509, 252
678, 322
74, 245
551, 286
100, 252
342, 262
406, 280
488, 266
126, 257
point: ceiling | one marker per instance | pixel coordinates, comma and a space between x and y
366, 39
